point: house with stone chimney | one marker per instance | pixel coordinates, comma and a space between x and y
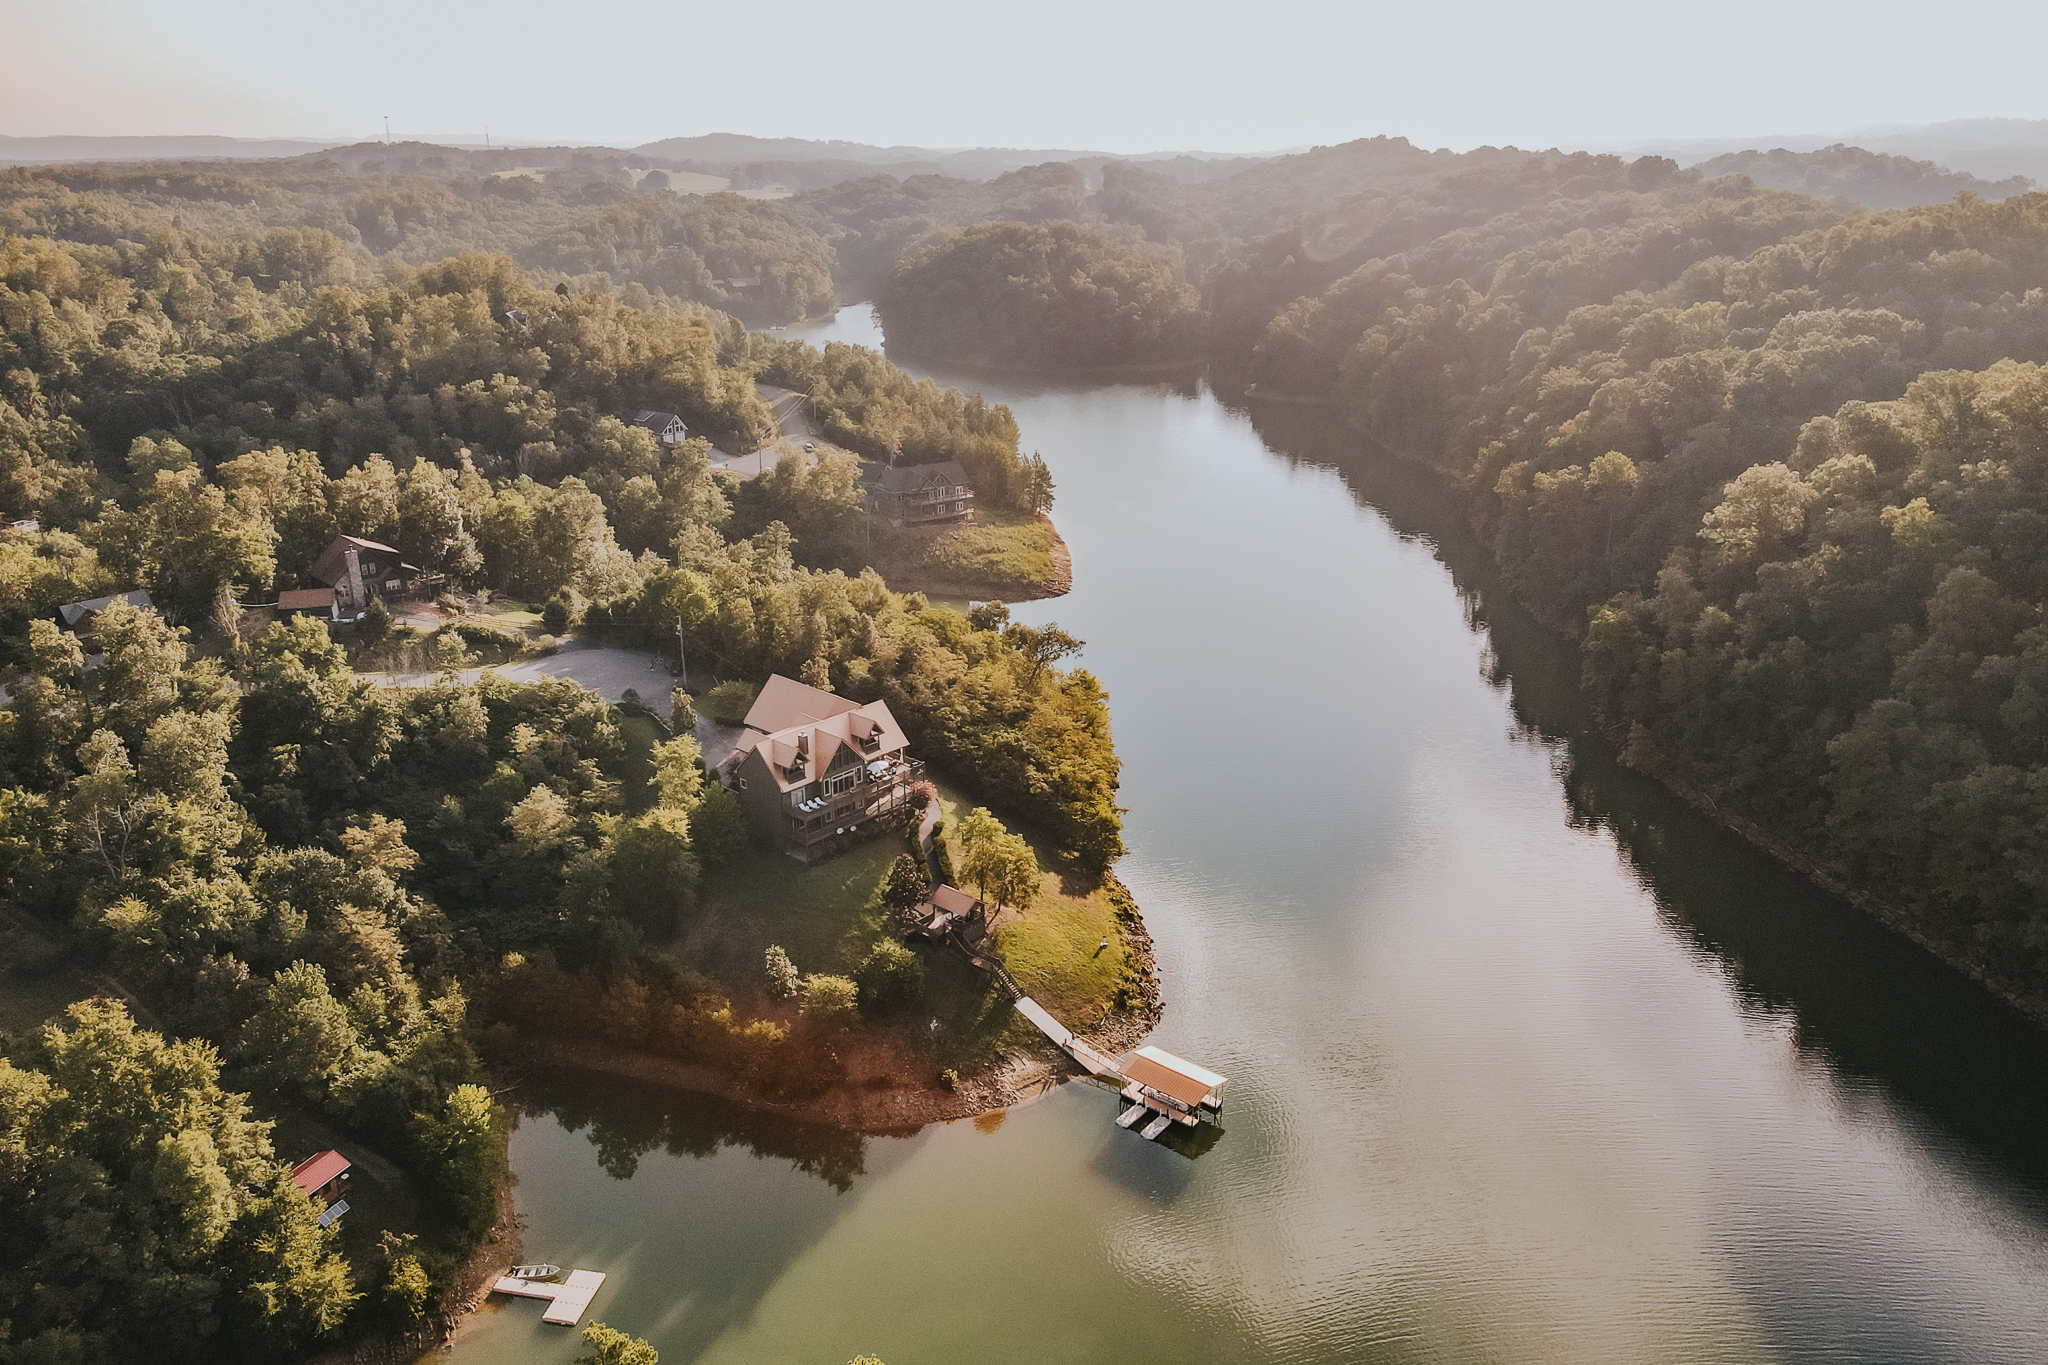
358, 569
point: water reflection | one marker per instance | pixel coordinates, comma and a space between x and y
629, 1119
1841, 987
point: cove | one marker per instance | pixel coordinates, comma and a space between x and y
1529, 1062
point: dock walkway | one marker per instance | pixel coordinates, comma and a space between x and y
567, 1301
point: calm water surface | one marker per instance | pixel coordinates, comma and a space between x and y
1528, 1064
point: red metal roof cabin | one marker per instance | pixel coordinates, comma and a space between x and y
320, 1175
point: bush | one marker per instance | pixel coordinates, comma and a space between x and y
682, 712
729, 702
891, 979
830, 1001
905, 885
375, 627
783, 979
554, 617
597, 619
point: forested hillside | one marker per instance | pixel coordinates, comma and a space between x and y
1774, 457
306, 883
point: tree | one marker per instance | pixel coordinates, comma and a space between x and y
1042, 645
653, 870
303, 1036
463, 1147
1001, 864
784, 981
290, 1280
679, 773
890, 978
904, 887
542, 821
612, 1347
196, 543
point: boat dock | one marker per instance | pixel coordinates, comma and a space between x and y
567, 1301
1169, 1089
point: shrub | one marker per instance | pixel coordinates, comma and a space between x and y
718, 827
554, 617
905, 885
375, 626
729, 702
831, 1001
682, 712
891, 979
783, 978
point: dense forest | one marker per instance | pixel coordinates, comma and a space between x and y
302, 886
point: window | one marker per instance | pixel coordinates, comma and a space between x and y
743, 784
842, 782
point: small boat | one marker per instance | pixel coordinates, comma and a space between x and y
532, 1272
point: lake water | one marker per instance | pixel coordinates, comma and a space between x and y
1528, 1064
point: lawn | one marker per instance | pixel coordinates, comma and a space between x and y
827, 916
1001, 552
1052, 948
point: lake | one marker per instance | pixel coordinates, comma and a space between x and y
1528, 1062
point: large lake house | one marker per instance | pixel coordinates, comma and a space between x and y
918, 494
817, 772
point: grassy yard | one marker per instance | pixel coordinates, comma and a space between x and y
1002, 552
1052, 948
828, 916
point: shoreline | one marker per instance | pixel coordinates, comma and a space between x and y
2031, 1005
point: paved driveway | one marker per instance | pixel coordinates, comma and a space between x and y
607, 672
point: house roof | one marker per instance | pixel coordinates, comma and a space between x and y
304, 599
909, 477
316, 1170
93, 606
650, 418
332, 566
833, 740
952, 900
1171, 1075
785, 702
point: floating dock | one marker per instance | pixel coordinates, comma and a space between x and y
567, 1301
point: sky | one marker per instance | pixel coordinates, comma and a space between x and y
1110, 75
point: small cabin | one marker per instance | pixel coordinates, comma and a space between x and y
669, 431
321, 1175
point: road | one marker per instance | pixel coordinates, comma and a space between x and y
789, 415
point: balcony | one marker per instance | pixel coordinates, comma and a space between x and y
815, 819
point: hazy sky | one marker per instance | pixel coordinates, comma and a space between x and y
1100, 74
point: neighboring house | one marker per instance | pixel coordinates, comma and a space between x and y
668, 428
307, 602
358, 569
320, 1176
920, 493
817, 771
81, 618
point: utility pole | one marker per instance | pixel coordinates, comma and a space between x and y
387, 130
682, 664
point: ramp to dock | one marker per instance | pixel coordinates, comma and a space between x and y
1097, 1063
567, 1301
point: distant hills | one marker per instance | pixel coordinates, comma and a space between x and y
1991, 148
1878, 180
29, 151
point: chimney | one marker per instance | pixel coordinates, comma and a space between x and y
803, 744
358, 598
